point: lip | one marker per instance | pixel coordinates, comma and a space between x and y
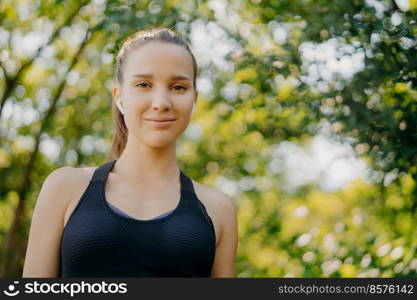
160, 120
160, 124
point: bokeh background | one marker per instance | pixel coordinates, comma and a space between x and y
307, 117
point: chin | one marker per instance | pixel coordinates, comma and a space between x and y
159, 142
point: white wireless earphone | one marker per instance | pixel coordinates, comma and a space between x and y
119, 105
192, 110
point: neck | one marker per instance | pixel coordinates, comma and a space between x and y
148, 163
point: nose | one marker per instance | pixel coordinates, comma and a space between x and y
161, 99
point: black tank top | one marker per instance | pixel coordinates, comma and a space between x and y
98, 242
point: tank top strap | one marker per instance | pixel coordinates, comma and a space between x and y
100, 174
186, 183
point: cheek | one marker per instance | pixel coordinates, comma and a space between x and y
184, 105
133, 115
136, 107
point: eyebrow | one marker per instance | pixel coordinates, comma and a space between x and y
176, 77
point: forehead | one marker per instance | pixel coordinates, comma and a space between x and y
158, 58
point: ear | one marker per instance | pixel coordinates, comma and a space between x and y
119, 105
115, 92
116, 98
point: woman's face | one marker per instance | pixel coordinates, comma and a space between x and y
157, 86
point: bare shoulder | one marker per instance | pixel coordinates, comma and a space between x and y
77, 180
60, 180
69, 179
220, 207
214, 196
57, 191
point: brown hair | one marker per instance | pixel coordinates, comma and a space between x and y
161, 34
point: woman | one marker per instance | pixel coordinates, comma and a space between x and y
137, 215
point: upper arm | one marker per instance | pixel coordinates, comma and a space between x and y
225, 258
42, 253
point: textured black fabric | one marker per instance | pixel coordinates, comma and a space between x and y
98, 242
